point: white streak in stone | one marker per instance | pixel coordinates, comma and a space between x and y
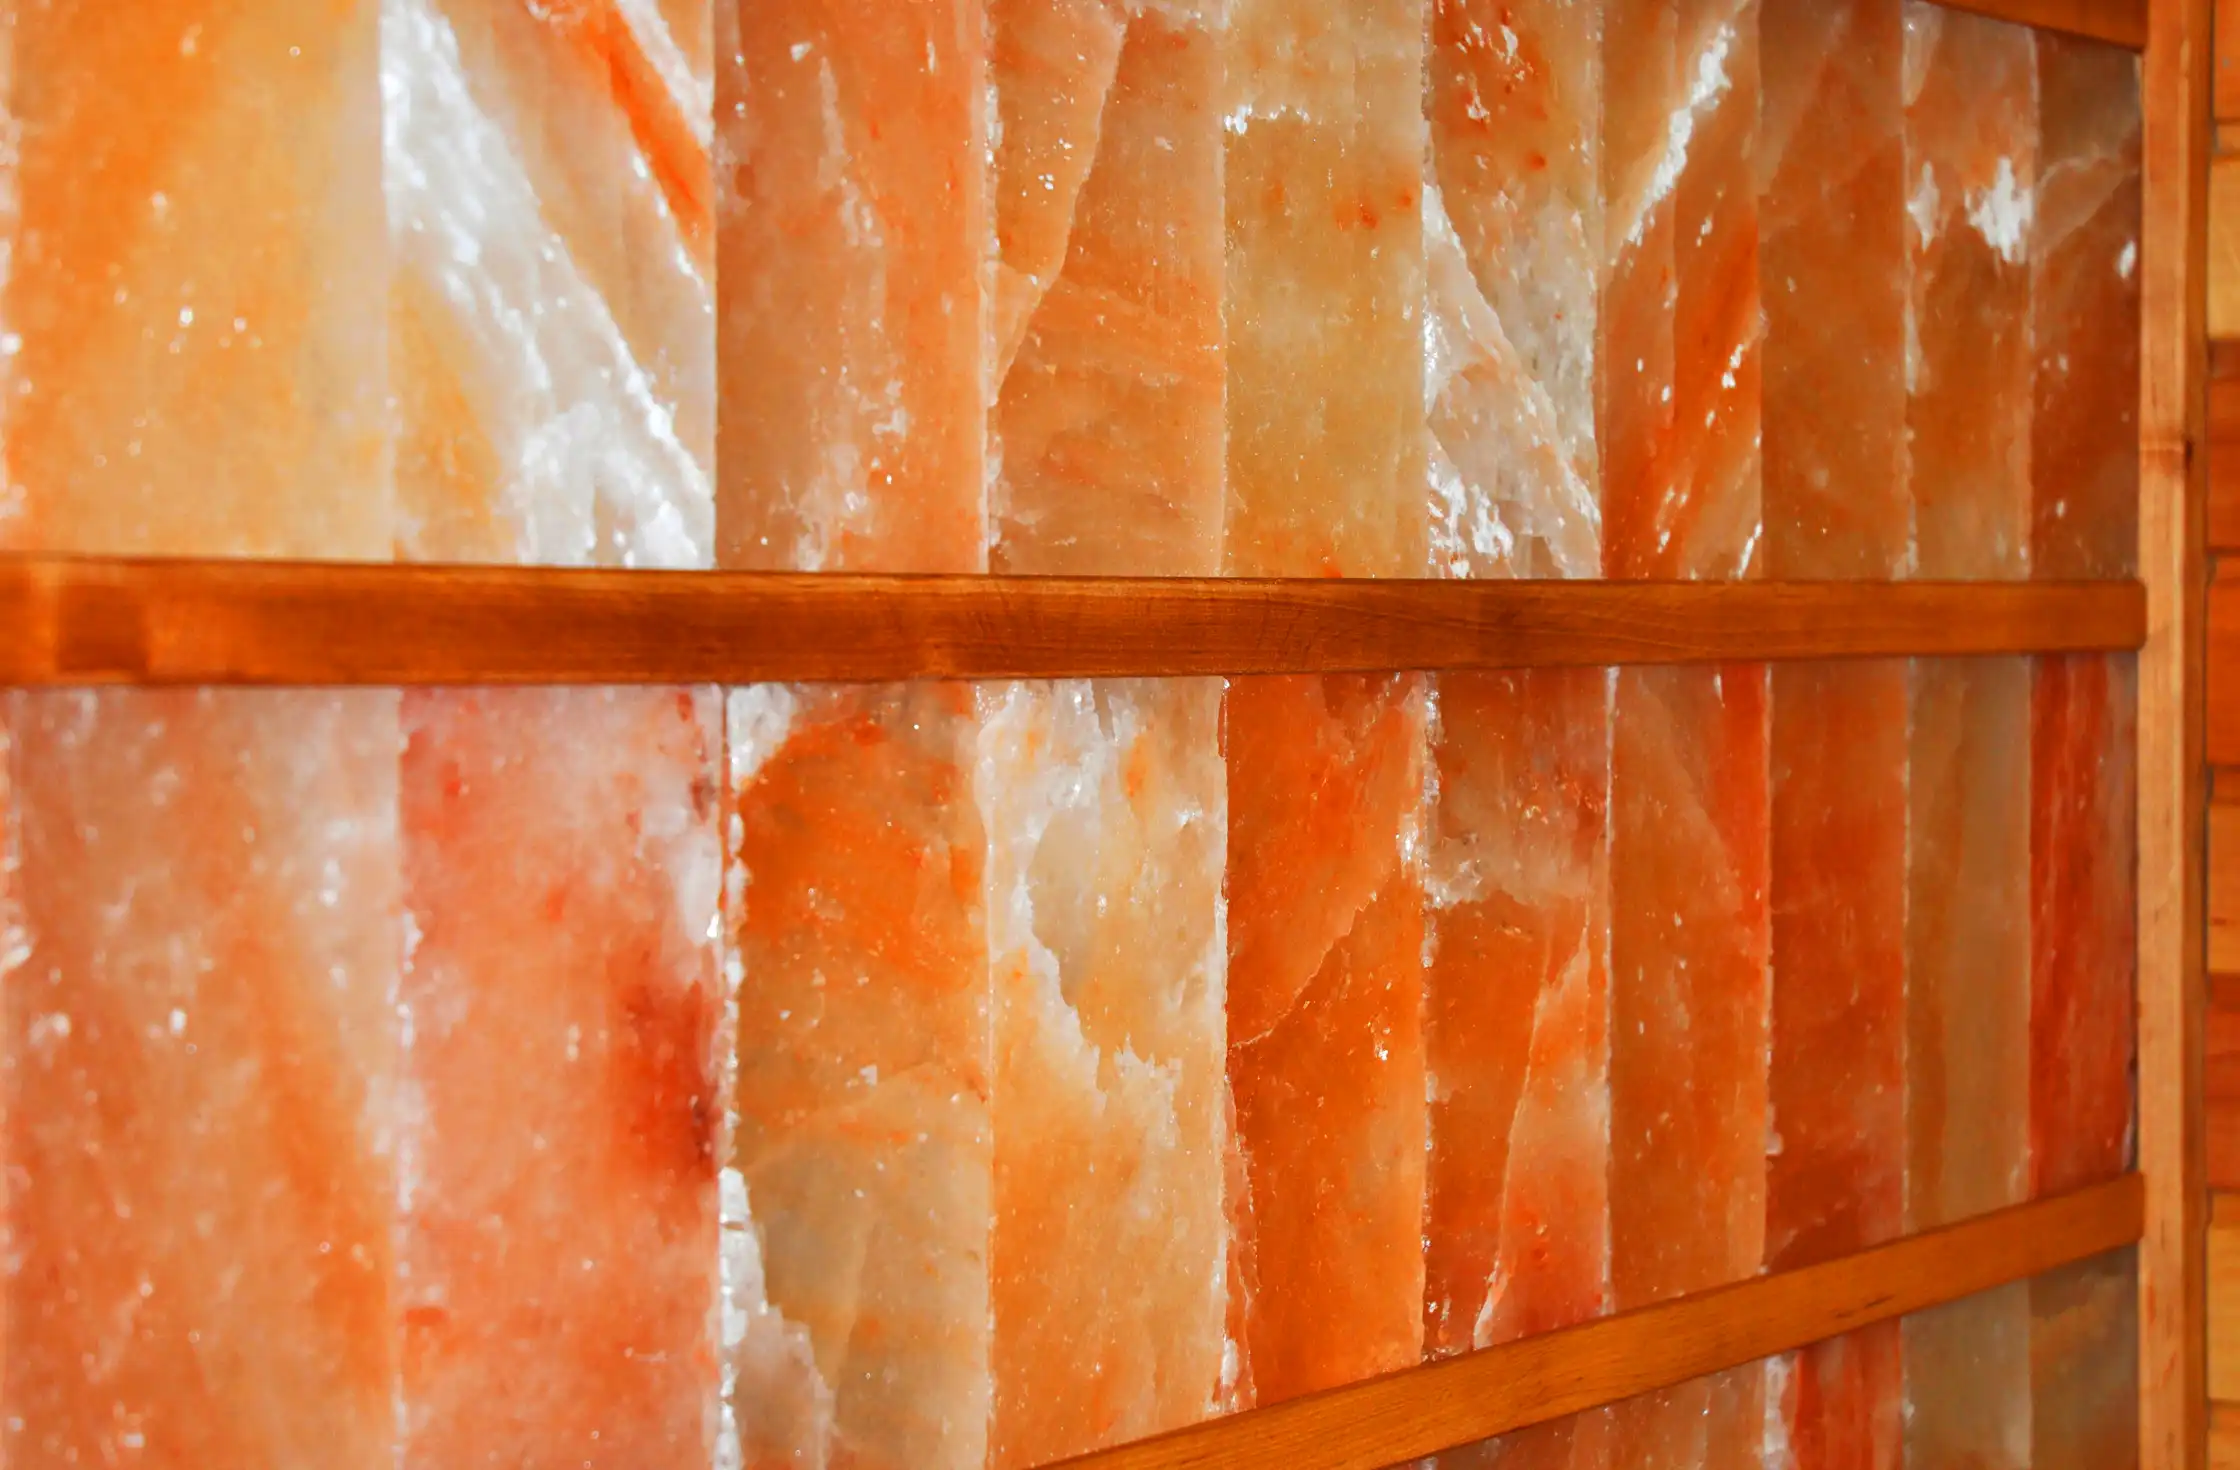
595, 469
2001, 212
694, 95
1925, 206
1709, 83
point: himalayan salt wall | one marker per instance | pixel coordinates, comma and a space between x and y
2084, 1365
853, 216
551, 250
200, 1051
1105, 807
193, 313
1833, 259
860, 1173
1513, 221
1325, 288
1689, 1046
1326, 1049
1516, 1022
583, 932
1105, 441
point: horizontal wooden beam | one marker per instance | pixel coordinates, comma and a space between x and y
67, 621
1464, 1400
2117, 22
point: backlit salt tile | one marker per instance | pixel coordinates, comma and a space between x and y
200, 1039
2083, 233
852, 233
562, 876
1971, 175
1516, 1225
1689, 1047
1325, 288
1106, 438
2084, 1365
1968, 1044
193, 303
1680, 322
552, 330
1105, 806
1513, 240
1714, 1423
2084, 919
858, 1189
1326, 1050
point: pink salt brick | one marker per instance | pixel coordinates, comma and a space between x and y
1105, 807
551, 296
195, 287
852, 229
858, 1189
559, 1232
1105, 439
200, 1043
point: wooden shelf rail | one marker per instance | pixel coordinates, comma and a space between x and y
66, 621
1461, 1401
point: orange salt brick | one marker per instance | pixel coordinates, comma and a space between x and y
1971, 177
2084, 919
551, 307
1325, 289
2084, 285
1516, 1225
1832, 216
1688, 1064
1679, 358
1106, 437
2084, 1365
1104, 806
1967, 1372
1513, 244
852, 231
857, 1196
194, 298
1838, 1404
200, 1040
559, 1235
1326, 1050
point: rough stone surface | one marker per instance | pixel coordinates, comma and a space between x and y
563, 1009
2084, 1366
199, 1046
1105, 804
852, 229
1326, 1051
551, 306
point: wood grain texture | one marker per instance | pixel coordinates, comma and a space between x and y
2224, 887
1463, 1400
2224, 1437
75, 622
2173, 786
2118, 22
2224, 248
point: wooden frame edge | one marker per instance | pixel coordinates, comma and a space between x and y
2117, 22
2172, 735
122, 621
1463, 1400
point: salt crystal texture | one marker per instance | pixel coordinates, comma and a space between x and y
853, 223
199, 1044
1106, 811
1106, 438
559, 1222
864, 1051
1326, 1058
2084, 1365
193, 297
552, 335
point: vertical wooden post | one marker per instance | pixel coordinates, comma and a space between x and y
2173, 1407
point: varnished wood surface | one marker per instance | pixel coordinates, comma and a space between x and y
2118, 22
2176, 88
75, 622
2224, 440
1463, 1400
